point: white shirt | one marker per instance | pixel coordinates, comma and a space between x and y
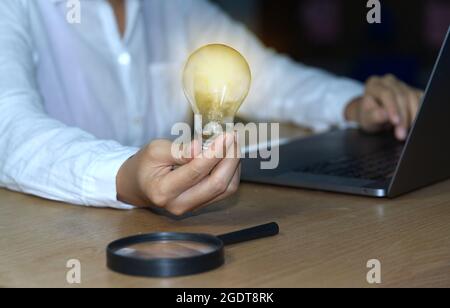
77, 100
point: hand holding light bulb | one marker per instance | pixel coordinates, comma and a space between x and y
216, 81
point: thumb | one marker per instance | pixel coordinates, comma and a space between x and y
185, 152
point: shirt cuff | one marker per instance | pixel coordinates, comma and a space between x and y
99, 183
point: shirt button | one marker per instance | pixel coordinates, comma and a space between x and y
124, 58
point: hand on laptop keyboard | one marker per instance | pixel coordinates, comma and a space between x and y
387, 103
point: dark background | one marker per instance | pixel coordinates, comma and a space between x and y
335, 35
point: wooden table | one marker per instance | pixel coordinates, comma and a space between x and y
326, 240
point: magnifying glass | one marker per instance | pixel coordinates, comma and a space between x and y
177, 254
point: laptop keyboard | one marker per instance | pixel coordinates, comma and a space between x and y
376, 166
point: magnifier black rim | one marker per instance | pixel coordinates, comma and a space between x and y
165, 267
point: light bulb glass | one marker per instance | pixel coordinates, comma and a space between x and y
216, 81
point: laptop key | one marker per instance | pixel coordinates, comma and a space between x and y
375, 166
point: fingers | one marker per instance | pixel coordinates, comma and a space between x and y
192, 173
185, 152
400, 101
166, 153
236, 180
373, 117
223, 182
385, 97
232, 188
164, 189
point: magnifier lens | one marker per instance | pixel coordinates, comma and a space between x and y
174, 249
176, 254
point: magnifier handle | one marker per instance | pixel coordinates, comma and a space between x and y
254, 233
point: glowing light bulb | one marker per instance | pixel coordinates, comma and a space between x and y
216, 81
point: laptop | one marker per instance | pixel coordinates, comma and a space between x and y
353, 162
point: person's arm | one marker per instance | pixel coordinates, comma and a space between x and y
43, 157
282, 89
40, 155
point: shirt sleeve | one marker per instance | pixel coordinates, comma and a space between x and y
40, 155
282, 89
